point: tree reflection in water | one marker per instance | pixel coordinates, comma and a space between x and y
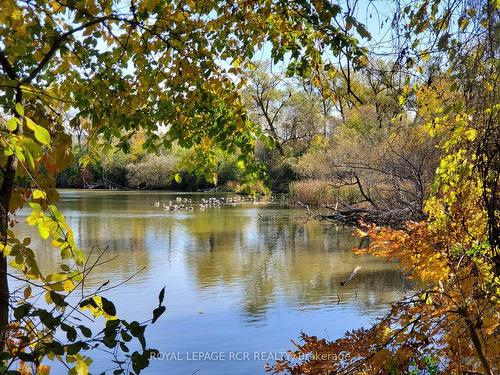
261, 252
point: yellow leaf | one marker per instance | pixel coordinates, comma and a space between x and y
5, 249
43, 231
68, 285
12, 124
81, 367
20, 109
425, 56
37, 194
41, 134
471, 134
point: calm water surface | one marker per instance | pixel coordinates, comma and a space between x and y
240, 280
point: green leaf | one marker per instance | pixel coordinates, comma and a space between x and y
139, 362
12, 124
71, 333
25, 357
74, 348
240, 164
161, 296
136, 329
66, 253
41, 134
125, 336
20, 109
157, 313
85, 331
65, 267
30, 159
22, 310
89, 301
178, 178
108, 307
58, 299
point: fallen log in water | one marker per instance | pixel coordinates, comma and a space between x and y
394, 218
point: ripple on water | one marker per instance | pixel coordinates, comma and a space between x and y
244, 278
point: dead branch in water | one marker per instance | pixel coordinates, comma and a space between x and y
353, 216
351, 276
309, 212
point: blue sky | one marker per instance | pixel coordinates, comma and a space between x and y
376, 15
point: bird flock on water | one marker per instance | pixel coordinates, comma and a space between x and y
186, 204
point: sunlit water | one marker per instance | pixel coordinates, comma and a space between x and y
241, 281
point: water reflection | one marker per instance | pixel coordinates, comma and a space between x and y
275, 257
240, 266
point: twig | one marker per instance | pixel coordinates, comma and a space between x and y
351, 276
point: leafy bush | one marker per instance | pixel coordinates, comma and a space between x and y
312, 192
227, 169
248, 188
280, 169
153, 172
115, 168
390, 167
67, 177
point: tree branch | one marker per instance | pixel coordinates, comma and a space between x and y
6, 66
57, 43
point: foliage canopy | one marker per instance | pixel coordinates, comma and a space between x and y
116, 68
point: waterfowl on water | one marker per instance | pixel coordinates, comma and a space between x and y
205, 203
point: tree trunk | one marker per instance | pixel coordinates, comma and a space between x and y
5, 195
478, 347
274, 132
4, 301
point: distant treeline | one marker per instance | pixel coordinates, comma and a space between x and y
330, 147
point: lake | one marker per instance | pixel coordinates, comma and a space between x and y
241, 280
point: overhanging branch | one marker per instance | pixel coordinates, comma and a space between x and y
6, 66
57, 43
